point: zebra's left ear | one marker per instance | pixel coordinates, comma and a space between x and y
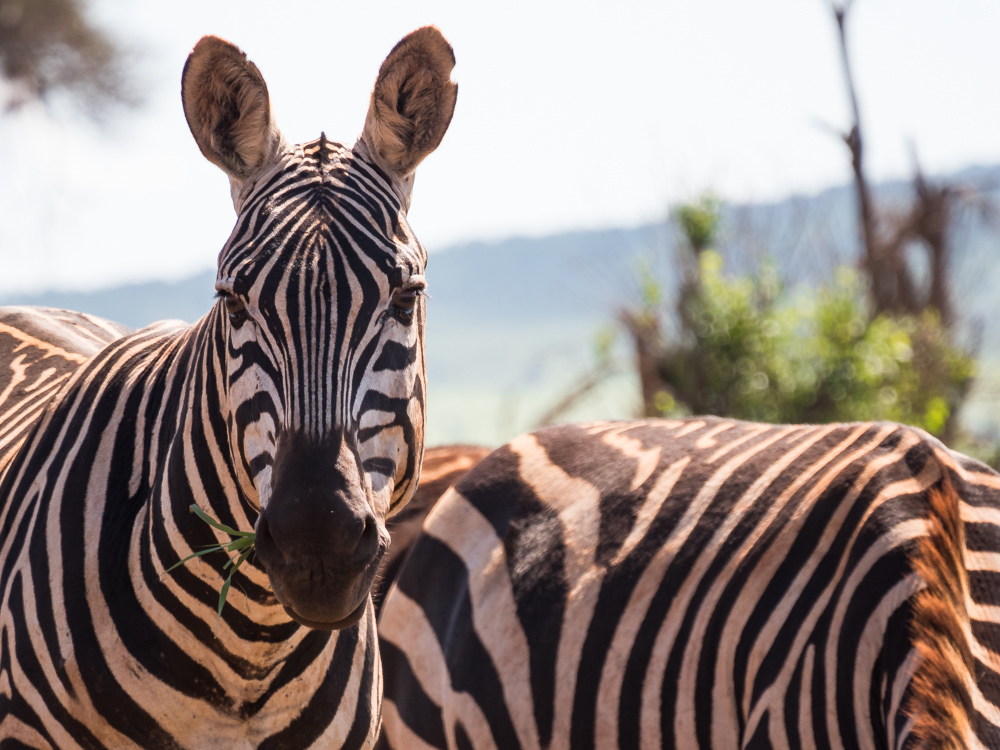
413, 101
228, 109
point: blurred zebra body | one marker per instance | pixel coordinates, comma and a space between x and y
295, 408
40, 348
702, 583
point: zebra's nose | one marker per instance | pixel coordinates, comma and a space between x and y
318, 508
333, 531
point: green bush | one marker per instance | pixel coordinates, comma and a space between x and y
745, 347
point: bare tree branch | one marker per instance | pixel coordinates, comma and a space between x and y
647, 340
583, 387
873, 260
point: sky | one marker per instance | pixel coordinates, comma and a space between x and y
570, 115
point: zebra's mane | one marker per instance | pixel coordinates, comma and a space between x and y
941, 702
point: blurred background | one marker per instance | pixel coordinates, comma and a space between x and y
783, 210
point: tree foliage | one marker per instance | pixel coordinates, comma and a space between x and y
746, 347
49, 46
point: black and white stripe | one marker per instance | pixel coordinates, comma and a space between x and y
295, 407
702, 583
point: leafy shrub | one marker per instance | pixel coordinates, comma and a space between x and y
745, 347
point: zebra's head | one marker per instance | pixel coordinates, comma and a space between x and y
320, 318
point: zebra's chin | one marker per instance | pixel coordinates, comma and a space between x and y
347, 622
324, 606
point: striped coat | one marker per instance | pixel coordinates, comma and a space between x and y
441, 468
702, 583
40, 349
294, 408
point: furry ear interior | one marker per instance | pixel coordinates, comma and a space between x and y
413, 101
227, 107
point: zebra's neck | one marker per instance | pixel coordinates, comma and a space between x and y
172, 412
190, 462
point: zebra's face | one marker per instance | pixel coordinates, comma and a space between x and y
321, 318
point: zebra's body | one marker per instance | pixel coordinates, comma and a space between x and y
702, 583
294, 408
40, 348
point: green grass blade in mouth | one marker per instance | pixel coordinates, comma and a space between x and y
222, 597
213, 548
243, 545
240, 544
220, 526
241, 559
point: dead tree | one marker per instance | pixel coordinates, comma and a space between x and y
885, 236
643, 327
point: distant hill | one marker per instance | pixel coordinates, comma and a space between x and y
511, 324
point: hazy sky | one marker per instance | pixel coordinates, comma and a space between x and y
569, 115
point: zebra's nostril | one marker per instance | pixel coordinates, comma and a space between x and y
333, 534
267, 549
369, 541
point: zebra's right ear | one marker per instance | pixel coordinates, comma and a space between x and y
228, 109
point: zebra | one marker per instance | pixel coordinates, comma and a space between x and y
41, 348
702, 583
295, 407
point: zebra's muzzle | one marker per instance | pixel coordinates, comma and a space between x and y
325, 593
317, 538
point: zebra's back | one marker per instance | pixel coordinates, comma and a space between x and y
702, 583
40, 349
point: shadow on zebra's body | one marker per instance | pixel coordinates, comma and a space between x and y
702, 583
293, 413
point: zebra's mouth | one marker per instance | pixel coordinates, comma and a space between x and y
322, 602
321, 605
347, 622
328, 593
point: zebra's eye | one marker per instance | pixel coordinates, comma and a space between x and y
236, 309
404, 302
